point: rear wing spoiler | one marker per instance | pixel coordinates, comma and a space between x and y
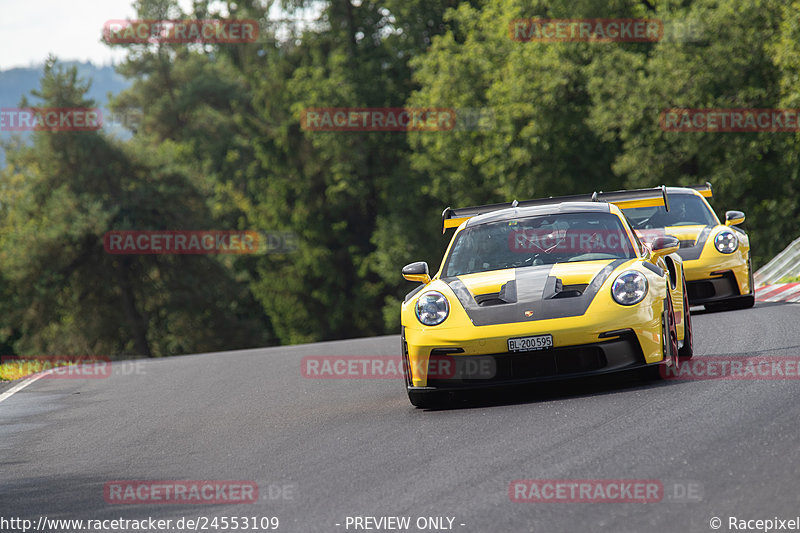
657, 196
704, 190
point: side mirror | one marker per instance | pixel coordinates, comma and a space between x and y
733, 218
417, 272
664, 245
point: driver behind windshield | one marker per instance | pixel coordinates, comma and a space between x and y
538, 240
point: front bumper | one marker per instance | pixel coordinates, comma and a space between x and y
715, 277
623, 352
719, 288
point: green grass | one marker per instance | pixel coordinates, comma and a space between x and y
19, 368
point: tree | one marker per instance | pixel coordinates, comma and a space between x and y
69, 295
727, 65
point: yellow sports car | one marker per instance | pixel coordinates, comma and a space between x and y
716, 257
540, 290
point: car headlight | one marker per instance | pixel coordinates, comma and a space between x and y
726, 242
629, 288
432, 308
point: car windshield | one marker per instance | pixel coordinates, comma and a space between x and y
540, 240
684, 210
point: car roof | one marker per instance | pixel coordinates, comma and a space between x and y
513, 213
683, 190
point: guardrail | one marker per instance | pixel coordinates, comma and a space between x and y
786, 263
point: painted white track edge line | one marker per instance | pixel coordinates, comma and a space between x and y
21, 385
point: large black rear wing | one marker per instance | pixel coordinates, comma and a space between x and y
657, 196
704, 190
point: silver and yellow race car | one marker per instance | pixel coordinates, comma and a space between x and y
716, 256
541, 290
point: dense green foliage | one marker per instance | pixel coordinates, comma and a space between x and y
220, 146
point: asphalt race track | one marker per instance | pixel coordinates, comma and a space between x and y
322, 450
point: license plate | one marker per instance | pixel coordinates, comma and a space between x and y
526, 344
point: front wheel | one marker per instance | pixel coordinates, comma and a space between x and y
671, 334
669, 344
687, 350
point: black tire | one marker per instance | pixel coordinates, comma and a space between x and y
669, 343
672, 338
687, 350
